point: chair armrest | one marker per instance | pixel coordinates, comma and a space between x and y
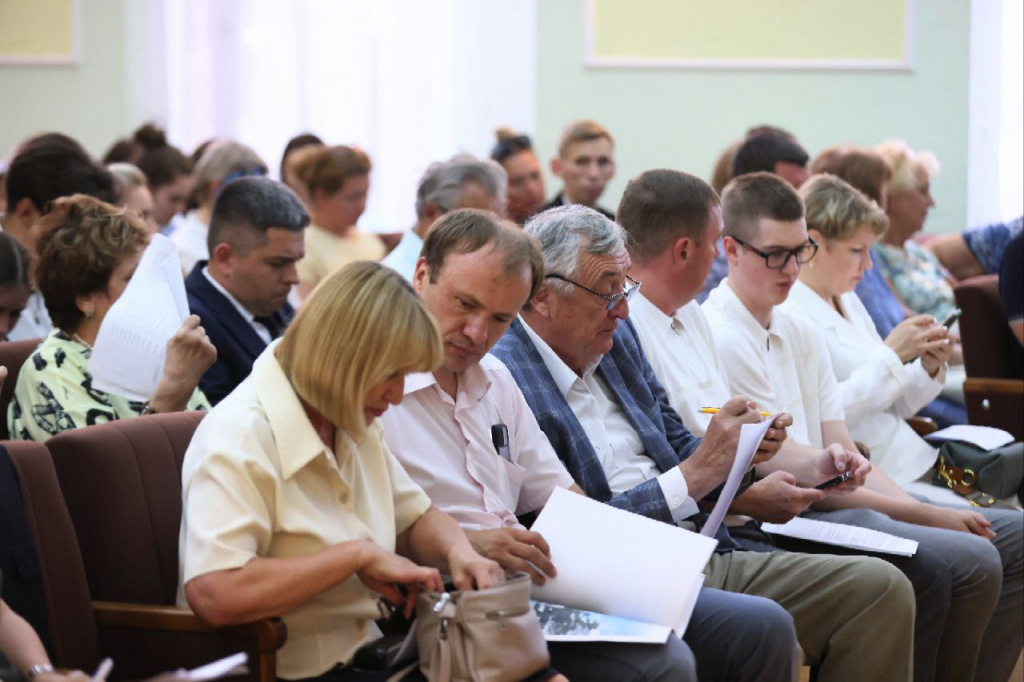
922, 425
997, 386
269, 633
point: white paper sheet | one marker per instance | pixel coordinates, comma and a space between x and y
842, 535
131, 347
751, 436
232, 665
986, 437
619, 563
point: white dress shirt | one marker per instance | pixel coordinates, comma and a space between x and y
784, 368
190, 238
403, 257
613, 438
878, 391
682, 353
34, 322
446, 446
260, 329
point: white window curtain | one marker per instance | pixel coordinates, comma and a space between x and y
408, 81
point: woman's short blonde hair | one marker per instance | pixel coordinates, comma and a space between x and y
837, 210
905, 164
361, 326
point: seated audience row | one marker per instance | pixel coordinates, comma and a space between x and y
599, 379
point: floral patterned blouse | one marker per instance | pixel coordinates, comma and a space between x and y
54, 393
917, 278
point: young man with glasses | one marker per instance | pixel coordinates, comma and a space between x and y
782, 362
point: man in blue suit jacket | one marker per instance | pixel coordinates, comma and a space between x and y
581, 368
241, 293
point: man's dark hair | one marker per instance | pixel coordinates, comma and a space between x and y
762, 152
49, 167
248, 207
468, 230
296, 143
660, 206
750, 198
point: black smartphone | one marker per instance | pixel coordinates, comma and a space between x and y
952, 318
832, 482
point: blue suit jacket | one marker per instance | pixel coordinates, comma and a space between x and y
238, 345
638, 392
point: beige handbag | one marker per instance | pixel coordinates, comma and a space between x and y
489, 635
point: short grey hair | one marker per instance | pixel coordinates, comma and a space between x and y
222, 158
442, 184
128, 177
565, 232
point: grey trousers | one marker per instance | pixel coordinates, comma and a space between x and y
982, 632
837, 605
669, 662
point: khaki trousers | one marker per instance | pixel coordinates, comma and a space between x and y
854, 616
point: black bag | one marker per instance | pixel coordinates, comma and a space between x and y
981, 476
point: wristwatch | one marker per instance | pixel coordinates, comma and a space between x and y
38, 670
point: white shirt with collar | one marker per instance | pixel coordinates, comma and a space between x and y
190, 237
783, 368
260, 329
682, 353
257, 482
34, 322
403, 257
446, 446
878, 391
616, 442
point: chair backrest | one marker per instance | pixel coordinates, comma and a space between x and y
990, 350
72, 625
122, 484
13, 355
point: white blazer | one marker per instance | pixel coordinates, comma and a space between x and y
878, 391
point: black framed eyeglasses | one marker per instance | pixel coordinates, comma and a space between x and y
611, 300
778, 259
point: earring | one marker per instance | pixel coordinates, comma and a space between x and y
88, 316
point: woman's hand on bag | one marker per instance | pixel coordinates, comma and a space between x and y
915, 336
383, 571
963, 520
470, 571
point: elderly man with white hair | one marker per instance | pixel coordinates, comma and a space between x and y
462, 181
579, 363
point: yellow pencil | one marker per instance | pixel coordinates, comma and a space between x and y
716, 410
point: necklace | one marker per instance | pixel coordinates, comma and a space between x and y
80, 340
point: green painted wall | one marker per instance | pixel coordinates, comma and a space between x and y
86, 101
683, 118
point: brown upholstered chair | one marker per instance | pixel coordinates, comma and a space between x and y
994, 390
13, 355
73, 634
122, 485
142, 640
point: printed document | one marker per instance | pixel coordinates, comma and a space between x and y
842, 535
